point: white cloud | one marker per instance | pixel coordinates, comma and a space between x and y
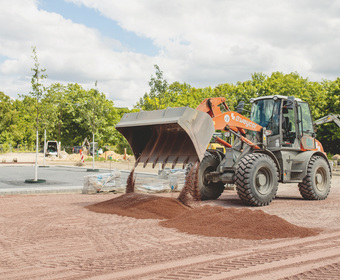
201, 42
71, 53
237, 37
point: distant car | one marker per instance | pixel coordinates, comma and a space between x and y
76, 149
52, 148
97, 151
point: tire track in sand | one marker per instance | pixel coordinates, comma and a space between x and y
289, 258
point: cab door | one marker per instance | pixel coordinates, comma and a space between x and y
305, 127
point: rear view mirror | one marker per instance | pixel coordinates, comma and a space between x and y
240, 106
290, 102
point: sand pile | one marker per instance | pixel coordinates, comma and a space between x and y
336, 157
111, 155
236, 223
203, 220
74, 157
141, 206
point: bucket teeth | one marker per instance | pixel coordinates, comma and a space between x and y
174, 162
175, 135
137, 161
185, 162
165, 162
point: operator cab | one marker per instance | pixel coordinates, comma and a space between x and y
287, 120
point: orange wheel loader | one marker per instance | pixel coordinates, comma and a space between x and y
276, 144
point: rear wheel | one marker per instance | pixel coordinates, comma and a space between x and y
256, 179
317, 183
209, 189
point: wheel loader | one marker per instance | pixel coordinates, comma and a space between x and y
276, 144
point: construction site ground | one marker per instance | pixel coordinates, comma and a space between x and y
54, 236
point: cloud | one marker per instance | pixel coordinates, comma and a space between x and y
233, 39
203, 43
71, 53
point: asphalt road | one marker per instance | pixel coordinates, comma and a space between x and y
59, 179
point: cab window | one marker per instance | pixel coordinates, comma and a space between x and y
266, 113
305, 119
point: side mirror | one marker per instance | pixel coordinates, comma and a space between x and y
240, 106
290, 102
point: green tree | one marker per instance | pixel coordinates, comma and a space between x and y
37, 87
329, 133
79, 112
25, 121
54, 104
8, 119
157, 98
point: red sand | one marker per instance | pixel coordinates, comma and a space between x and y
206, 220
141, 206
236, 223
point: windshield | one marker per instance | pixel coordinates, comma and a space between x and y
266, 113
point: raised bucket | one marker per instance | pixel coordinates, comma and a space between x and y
173, 135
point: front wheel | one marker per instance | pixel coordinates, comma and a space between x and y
207, 188
317, 183
256, 179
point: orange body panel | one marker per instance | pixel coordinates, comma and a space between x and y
211, 106
229, 120
235, 121
318, 147
222, 142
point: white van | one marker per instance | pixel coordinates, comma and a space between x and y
52, 148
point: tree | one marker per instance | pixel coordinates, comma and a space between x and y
8, 119
54, 103
80, 112
157, 98
329, 133
37, 87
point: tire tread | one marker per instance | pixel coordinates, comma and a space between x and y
244, 190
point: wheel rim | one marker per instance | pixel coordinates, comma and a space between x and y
320, 179
207, 182
262, 181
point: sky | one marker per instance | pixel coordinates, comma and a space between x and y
200, 42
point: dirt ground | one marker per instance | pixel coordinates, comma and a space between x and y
57, 237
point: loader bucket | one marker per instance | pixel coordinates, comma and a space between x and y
173, 135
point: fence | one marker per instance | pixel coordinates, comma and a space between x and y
8, 148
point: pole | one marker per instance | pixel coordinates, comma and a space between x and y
44, 146
36, 159
93, 151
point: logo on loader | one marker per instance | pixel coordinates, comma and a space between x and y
226, 118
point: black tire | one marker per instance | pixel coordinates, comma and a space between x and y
317, 183
209, 189
256, 179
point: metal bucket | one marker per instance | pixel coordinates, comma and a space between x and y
173, 135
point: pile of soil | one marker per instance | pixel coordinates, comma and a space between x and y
204, 220
74, 157
112, 155
236, 223
141, 206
